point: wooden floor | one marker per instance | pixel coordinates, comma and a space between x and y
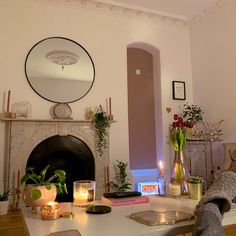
12, 225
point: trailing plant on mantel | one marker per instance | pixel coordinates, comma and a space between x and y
101, 124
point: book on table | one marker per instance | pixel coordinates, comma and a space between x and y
125, 200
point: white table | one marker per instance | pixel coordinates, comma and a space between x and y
117, 223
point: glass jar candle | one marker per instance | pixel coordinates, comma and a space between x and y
174, 189
84, 192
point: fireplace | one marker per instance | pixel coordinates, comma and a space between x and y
68, 153
68, 145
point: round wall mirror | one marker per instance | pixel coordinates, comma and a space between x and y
59, 70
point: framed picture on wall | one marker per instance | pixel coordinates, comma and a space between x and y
178, 88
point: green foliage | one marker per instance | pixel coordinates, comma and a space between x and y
39, 179
178, 138
195, 179
101, 124
121, 181
193, 113
4, 196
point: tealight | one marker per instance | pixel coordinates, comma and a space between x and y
50, 211
174, 190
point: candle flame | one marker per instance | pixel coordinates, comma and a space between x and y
161, 164
52, 203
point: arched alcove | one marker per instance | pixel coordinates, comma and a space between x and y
156, 73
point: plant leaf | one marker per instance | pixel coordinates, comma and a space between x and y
60, 173
43, 173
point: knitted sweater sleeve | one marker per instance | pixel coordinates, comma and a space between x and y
216, 201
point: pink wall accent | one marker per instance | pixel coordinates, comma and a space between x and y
141, 113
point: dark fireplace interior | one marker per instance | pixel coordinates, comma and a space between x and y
67, 153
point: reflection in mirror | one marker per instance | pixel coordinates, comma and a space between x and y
59, 70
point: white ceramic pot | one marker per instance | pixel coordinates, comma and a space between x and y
4, 206
36, 195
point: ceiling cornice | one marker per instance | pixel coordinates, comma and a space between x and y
119, 9
206, 12
132, 11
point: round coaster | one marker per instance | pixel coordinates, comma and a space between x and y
98, 209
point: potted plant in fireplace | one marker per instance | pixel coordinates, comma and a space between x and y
41, 190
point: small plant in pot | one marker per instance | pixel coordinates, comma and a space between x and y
195, 179
195, 185
41, 190
4, 205
121, 181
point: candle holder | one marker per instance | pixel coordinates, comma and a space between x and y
50, 211
174, 189
84, 192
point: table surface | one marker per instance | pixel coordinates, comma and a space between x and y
116, 223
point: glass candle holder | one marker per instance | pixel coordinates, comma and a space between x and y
174, 189
50, 211
84, 192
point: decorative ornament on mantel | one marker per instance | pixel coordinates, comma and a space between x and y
22, 109
61, 111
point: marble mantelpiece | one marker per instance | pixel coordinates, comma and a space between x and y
23, 135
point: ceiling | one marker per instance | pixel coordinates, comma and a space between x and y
184, 9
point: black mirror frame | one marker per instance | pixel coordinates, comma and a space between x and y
58, 37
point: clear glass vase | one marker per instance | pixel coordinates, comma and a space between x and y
179, 173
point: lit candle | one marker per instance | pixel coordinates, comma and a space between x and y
84, 192
174, 189
161, 168
50, 211
81, 198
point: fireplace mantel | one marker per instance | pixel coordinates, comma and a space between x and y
23, 135
49, 120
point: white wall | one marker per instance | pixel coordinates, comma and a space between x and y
105, 36
214, 72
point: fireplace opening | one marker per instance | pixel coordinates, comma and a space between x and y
64, 152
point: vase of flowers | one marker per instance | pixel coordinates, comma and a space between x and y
179, 171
